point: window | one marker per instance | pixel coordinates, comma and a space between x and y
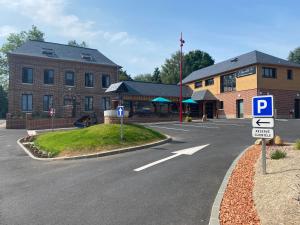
48, 76
105, 81
27, 75
67, 100
26, 103
268, 72
69, 78
47, 102
221, 105
228, 83
209, 82
290, 74
89, 80
105, 103
88, 103
198, 84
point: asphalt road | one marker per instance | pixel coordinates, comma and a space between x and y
107, 191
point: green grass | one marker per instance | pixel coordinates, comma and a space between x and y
297, 144
278, 154
95, 138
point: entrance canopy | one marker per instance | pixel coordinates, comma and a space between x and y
204, 95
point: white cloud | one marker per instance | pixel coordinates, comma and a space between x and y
52, 13
6, 30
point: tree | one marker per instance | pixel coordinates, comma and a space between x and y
294, 56
13, 41
3, 102
194, 60
144, 77
123, 75
156, 76
76, 44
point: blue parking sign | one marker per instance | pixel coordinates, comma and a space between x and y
120, 111
262, 106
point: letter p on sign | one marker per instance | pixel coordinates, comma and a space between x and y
262, 106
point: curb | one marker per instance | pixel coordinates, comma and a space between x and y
215, 210
99, 154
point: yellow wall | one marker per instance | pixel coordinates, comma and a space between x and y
281, 82
242, 83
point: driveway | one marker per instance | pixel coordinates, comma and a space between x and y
108, 191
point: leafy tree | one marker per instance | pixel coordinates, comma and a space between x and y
76, 44
123, 75
144, 77
196, 60
170, 69
294, 56
192, 61
3, 102
156, 76
13, 41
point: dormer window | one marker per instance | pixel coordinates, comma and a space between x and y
87, 57
48, 52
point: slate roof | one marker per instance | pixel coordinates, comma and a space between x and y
139, 88
203, 95
63, 52
250, 58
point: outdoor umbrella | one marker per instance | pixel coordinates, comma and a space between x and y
161, 100
189, 101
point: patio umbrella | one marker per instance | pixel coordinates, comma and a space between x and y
189, 101
161, 100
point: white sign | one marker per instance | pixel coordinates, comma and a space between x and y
263, 122
262, 133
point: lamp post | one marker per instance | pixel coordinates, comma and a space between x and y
180, 97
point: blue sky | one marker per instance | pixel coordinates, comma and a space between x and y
139, 35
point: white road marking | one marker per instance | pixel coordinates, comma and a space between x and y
169, 128
187, 151
191, 125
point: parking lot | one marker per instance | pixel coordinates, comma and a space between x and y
109, 190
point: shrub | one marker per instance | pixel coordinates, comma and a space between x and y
278, 154
188, 119
297, 144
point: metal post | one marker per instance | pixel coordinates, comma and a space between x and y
121, 128
180, 98
52, 121
263, 156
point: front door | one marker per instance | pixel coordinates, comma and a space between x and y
297, 108
209, 110
240, 108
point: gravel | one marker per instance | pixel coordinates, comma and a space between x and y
237, 205
275, 194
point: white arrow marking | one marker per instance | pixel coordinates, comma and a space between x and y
187, 151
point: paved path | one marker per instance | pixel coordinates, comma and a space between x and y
107, 191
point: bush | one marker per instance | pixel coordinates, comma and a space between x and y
188, 119
278, 154
297, 144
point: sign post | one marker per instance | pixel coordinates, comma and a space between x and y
120, 113
52, 114
263, 122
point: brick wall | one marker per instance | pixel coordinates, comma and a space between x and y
229, 101
38, 89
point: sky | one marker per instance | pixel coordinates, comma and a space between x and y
140, 34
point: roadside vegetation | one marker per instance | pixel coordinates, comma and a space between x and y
297, 144
94, 139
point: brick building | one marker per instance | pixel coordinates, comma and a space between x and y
226, 88
70, 79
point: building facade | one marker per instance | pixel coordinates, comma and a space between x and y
232, 84
72, 80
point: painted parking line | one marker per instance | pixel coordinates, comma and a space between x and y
227, 124
169, 128
200, 126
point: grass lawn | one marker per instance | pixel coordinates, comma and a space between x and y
96, 138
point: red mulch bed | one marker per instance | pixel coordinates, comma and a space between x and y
237, 206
